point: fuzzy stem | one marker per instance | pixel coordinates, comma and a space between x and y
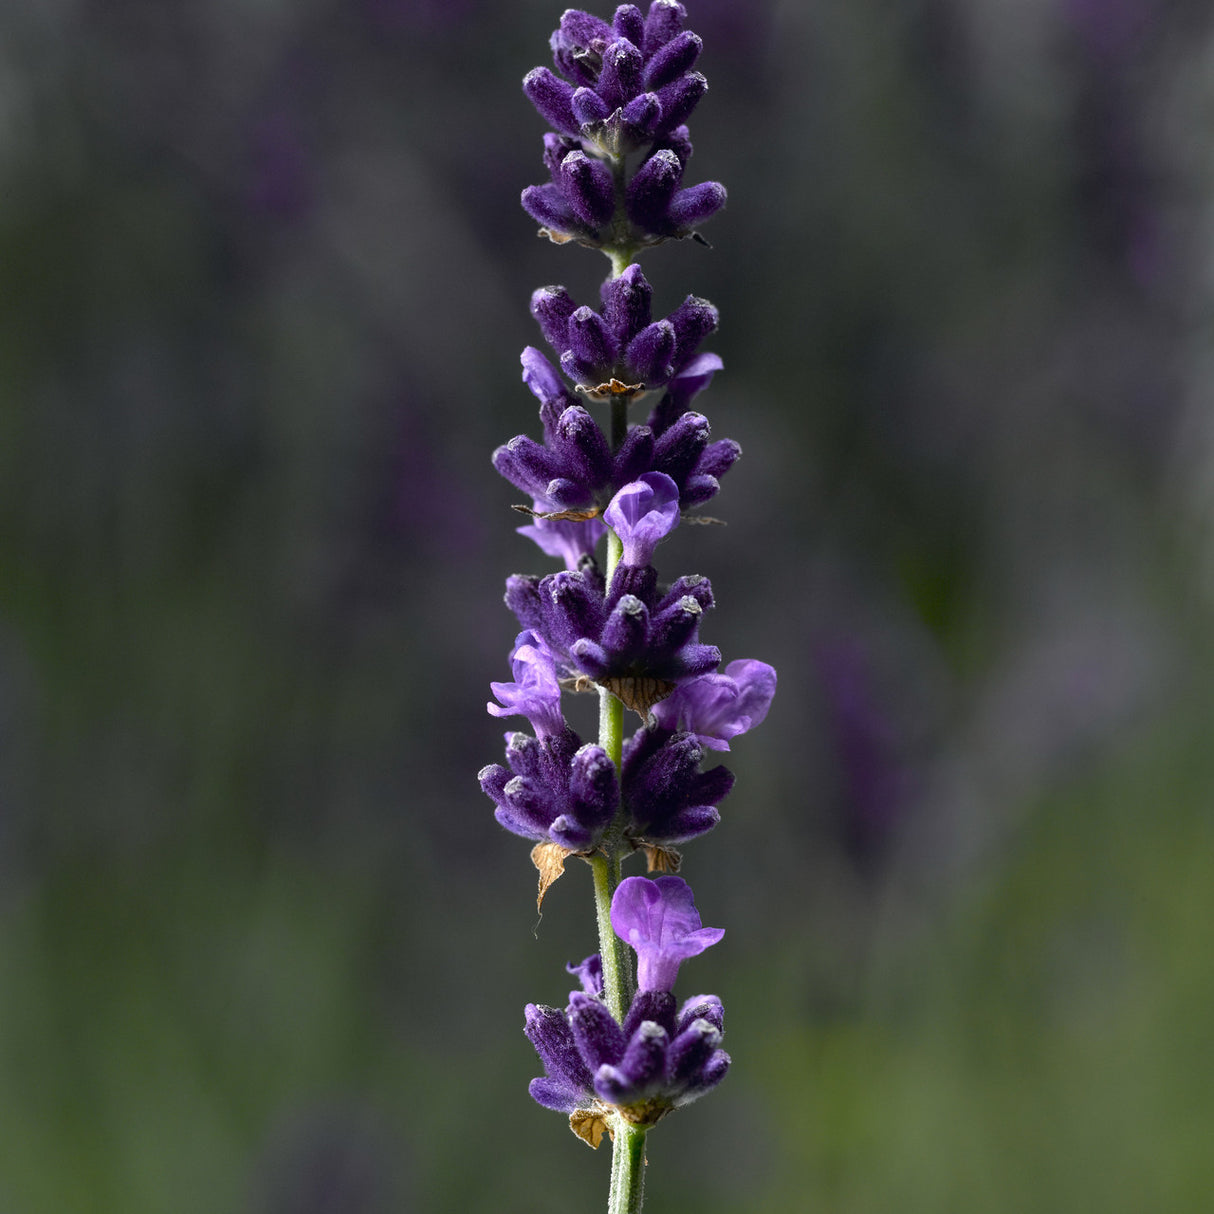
627, 1169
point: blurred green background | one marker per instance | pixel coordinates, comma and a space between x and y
263, 286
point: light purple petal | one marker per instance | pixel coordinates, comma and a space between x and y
564, 539
717, 707
535, 692
659, 920
642, 514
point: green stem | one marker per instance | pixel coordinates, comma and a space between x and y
605, 865
627, 1169
617, 965
619, 986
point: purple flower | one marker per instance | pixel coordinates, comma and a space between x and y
717, 707
566, 539
535, 692
554, 790
660, 1058
659, 920
642, 514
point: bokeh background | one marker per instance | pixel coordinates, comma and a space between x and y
263, 286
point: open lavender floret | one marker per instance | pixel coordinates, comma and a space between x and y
554, 789
661, 1057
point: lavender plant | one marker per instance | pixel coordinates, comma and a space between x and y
624, 1052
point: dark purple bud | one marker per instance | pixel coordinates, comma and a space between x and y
593, 784
578, 45
678, 450
650, 191
599, 1039
620, 77
640, 1072
713, 785
494, 778
552, 97
650, 353
679, 55
690, 1050
712, 1074
580, 443
589, 107
566, 494
642, 116
638, 580
588, 188
635, 455
685, 824
700, 1007
627, 304
657, 1006
691, 207
674, 627
590, 658
627, 628
523, 598
590, 343
552, 307
680, 97
629, 23
718, 457
665, 20
521, 808
572, 609
698, 489
547, 205
568, 1076
526, 465
699, 659
693, 320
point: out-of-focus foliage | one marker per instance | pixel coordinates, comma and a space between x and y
263, 285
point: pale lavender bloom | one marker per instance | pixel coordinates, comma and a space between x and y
565, 539
642, 515
535, 692
659, 920
717, 707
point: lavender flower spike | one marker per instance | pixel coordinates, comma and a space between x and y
642, 514
535, 692
659, 919
717, 707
